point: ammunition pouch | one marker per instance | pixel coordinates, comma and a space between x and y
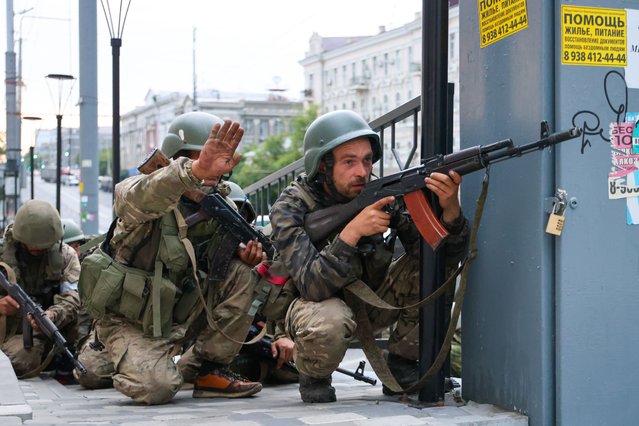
106, 286
274, 291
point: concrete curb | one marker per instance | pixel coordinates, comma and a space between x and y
12, 402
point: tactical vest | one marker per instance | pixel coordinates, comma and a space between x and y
157, 288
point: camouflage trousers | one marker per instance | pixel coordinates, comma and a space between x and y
142, 367
323, 330
24, 360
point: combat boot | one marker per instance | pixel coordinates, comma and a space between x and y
217, 381
405, 371
316, 390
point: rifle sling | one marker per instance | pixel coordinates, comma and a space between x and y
356, 299
188, 246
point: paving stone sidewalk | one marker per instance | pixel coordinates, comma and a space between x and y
43, 401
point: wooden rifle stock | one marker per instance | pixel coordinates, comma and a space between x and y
157, 160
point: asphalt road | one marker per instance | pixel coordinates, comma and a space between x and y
70, 201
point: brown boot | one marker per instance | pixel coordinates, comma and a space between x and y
216, 381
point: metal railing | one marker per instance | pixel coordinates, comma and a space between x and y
264, 192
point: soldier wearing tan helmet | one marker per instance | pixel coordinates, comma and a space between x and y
158, 273
48, 270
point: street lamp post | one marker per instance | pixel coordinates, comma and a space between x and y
115, 30
61, 79
31, 154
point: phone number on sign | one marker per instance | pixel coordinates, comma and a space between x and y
503, 29
594, 57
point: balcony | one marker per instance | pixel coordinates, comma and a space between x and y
359, 84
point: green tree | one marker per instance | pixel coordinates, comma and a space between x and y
276, 152
3, 143
105, 162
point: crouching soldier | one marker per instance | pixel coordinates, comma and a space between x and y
156, 283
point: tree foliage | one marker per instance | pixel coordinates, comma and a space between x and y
3, 143
276, 152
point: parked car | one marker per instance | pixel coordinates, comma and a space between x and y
105, 183
71, 180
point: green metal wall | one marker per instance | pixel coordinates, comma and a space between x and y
549, 322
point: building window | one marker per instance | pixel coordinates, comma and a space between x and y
451, 46
398, 60
398, 100
385, 64
365, 72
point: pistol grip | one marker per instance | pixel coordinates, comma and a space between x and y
427, 223
27, 332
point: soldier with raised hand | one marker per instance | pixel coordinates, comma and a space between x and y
340, 149
154, 264
47, 269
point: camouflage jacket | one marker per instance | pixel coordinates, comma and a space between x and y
320, 270
50, 279
143, 199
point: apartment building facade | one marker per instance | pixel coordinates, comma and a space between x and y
375, 74
261, 114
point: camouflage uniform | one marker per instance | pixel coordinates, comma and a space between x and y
51, 280
319, 321
141, 366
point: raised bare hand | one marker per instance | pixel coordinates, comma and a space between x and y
218, 155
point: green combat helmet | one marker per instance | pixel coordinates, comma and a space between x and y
72, 232
189, 132
37, 224
243, 204
332, 130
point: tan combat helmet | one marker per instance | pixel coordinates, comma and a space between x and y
37, 224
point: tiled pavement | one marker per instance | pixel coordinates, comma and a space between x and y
43, 401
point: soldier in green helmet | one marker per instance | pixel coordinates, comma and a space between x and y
158, 291
73, 234
47, 269
340, 150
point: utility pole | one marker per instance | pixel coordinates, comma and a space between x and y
195, 108
11, 173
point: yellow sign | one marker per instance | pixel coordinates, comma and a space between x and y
593, 36
500, 18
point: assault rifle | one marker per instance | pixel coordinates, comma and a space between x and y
238, 230
212, 205
262, 348
409, 185
31, 309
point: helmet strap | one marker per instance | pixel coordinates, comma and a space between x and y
327, 178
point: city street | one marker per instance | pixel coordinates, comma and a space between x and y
69, 200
